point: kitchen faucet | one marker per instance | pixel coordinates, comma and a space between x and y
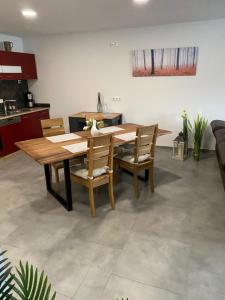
12, 107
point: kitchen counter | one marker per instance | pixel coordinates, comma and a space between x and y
24, 111
78, 121
106, 116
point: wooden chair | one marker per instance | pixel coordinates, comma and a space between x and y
51, 127
142, 157
99, 168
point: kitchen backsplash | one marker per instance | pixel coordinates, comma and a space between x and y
13, 90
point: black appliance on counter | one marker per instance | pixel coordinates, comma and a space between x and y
13, 89
29, 100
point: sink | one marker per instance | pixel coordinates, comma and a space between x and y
18, 111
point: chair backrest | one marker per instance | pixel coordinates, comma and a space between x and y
145, 141
100, 153
52, 127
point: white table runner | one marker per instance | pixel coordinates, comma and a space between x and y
130, 136
63, 137
110, 129
76, 148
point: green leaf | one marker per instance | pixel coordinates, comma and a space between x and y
6, 278
44, 288
19, 293
39, 286
31, 280
54, 295
7, 284
34, 284
30, 285
48, 292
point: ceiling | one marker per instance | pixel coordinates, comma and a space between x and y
66, 16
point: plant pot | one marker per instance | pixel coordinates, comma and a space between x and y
197, 151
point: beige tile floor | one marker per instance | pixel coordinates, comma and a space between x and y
167, 245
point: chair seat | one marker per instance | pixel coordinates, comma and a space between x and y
83, 172
130, 158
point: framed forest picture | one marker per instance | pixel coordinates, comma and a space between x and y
165, 62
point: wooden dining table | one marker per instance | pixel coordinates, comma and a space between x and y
45, 152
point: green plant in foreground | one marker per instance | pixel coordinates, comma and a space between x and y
30, 285
6, 278
200, 125
27, 283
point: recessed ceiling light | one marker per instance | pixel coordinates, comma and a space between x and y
140, 2
29, 13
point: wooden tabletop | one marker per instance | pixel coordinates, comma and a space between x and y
105, 116
45, 152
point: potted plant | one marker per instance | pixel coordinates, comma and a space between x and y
200, 125
27, 283
186, 125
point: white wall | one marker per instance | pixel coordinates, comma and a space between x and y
17, 42
73, 68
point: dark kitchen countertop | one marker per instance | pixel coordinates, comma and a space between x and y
24, 111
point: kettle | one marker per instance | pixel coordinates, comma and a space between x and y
29, 100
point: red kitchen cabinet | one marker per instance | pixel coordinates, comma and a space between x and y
28, 66
31, 126
9, 135
28, 127
24, 66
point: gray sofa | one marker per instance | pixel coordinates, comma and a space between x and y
218, 128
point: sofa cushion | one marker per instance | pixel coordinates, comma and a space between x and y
221, 154
217, 124
220, 135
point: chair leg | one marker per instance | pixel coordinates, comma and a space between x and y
151, 178
111, 195
136, 183
56, 175
91, 200
116, 170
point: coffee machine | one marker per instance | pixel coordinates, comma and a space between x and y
29, 100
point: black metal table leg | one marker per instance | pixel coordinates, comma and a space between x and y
68, 185
68, 204
48, 177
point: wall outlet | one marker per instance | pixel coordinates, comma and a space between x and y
1, 101
116, 99
114, 44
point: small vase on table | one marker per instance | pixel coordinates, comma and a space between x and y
94, 129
